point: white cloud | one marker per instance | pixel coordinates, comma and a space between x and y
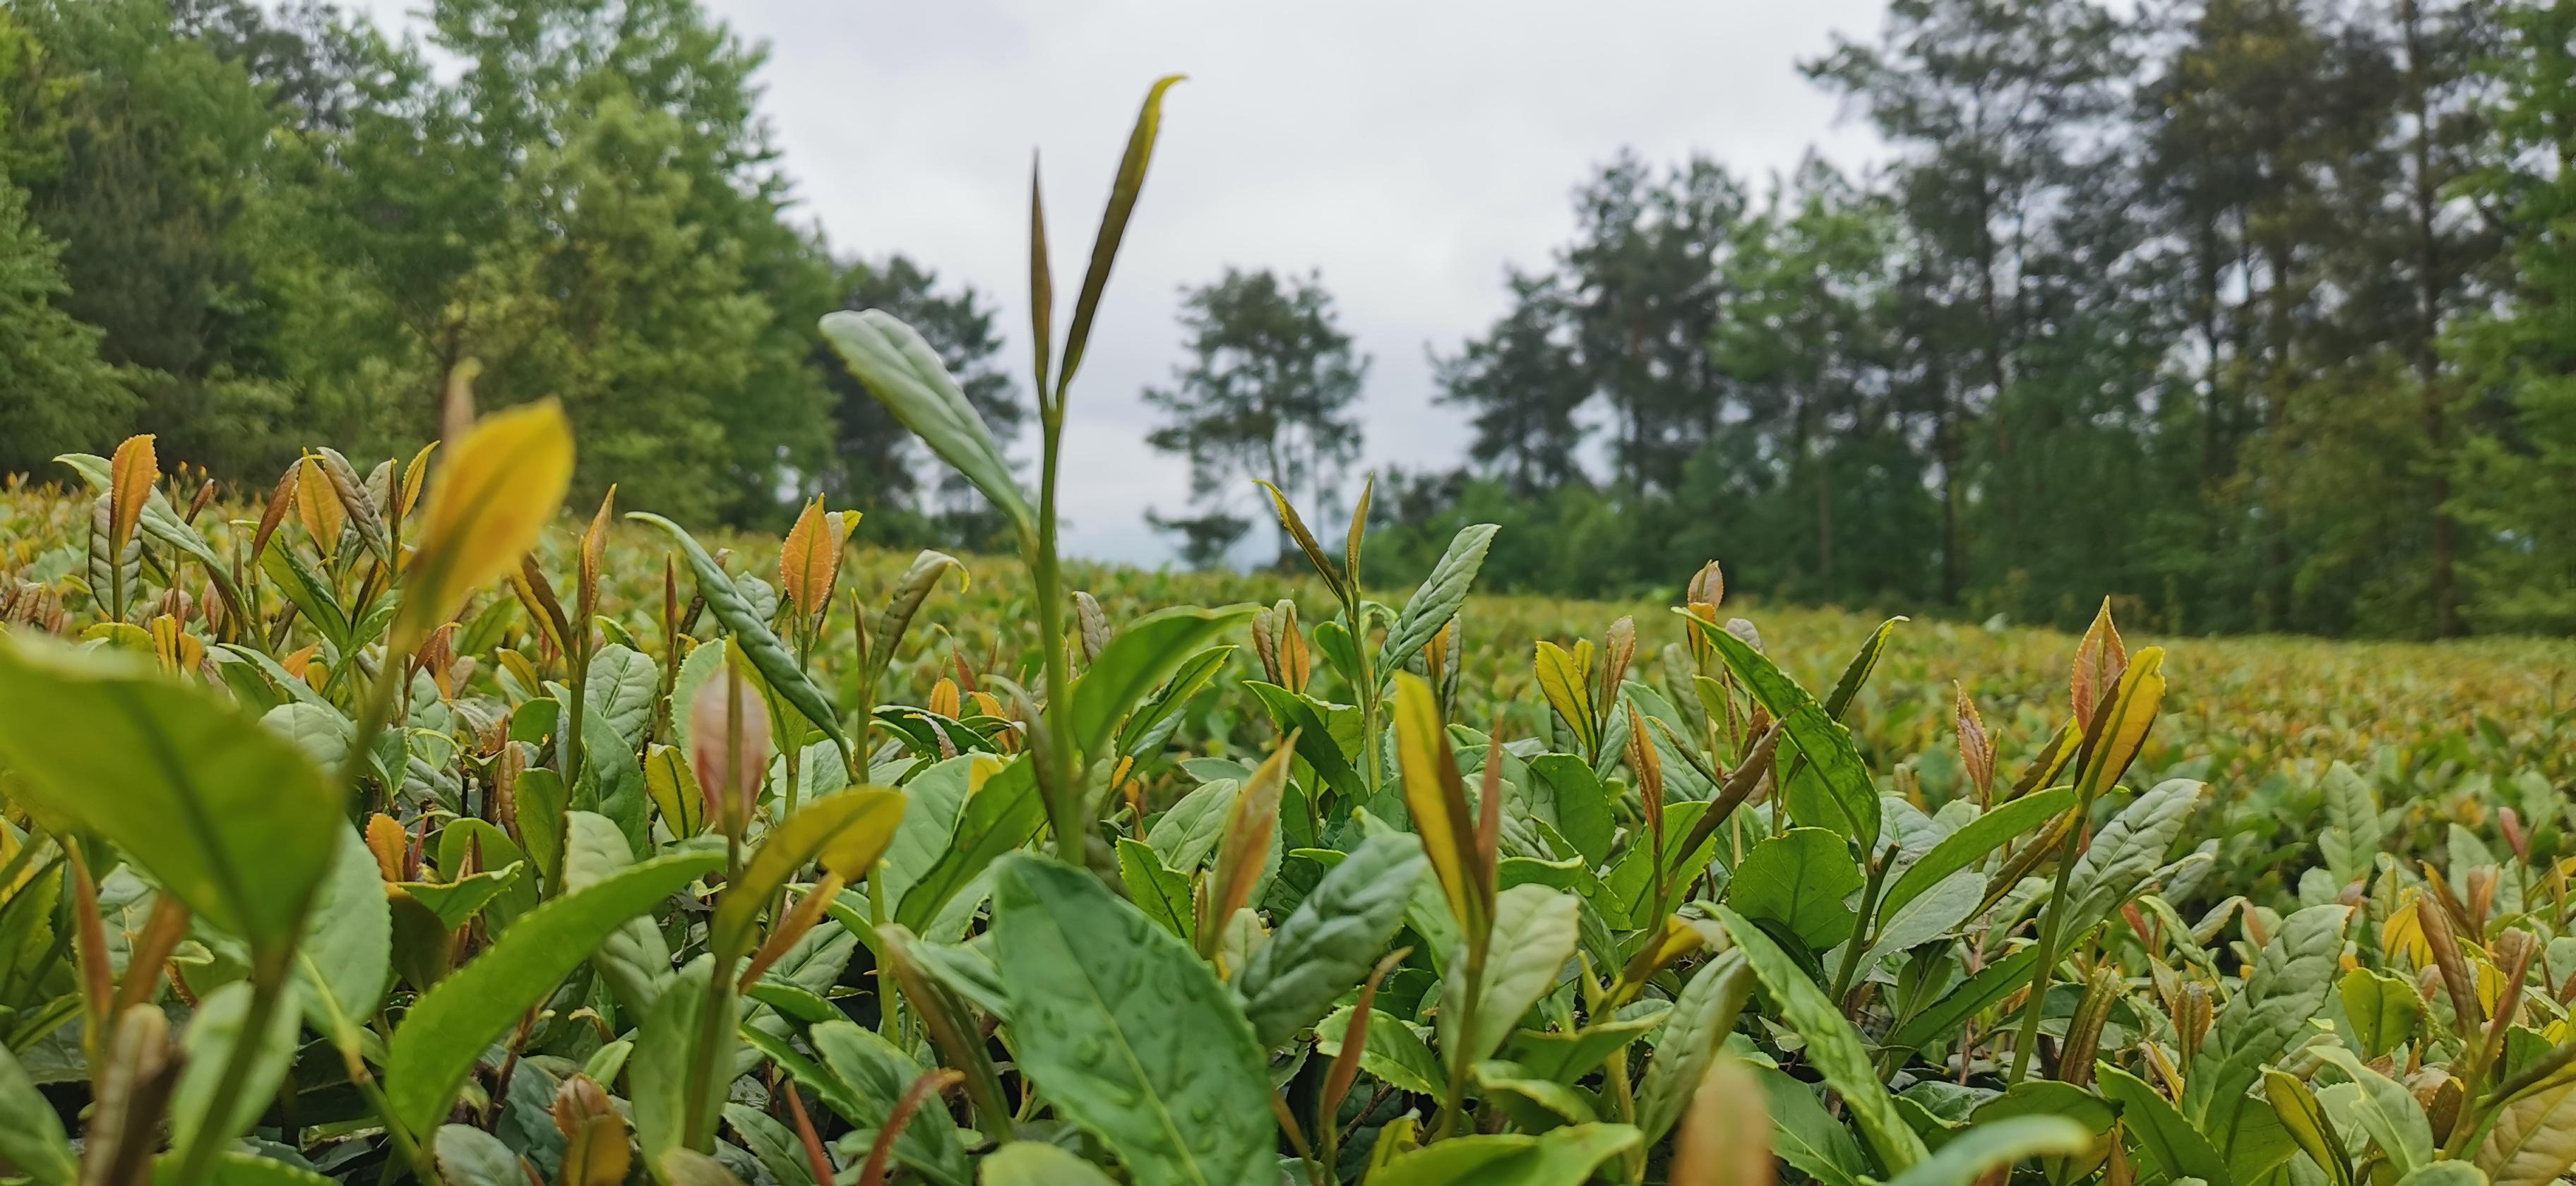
1408, 150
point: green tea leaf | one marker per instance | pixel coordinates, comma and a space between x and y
2170, 1141
1128, 1032
1001, 816
1694, 1032
1994, 1145
1393, 1051
1969, 845
31, 1136
1560, 1157
469, 1156
1798, 880
214, 1033
449, 1026
1124, 190
1805, 1135
1852, 802
845, 833
1163, 893
1139, 658
750, 629
1331, 940
227, 815
1535, 933
1292, 712
1438, 599
2383, 1010
904, 373
2292, 975
1832, 1046
2128, 851
345, 961
877, 1074
1036, 1163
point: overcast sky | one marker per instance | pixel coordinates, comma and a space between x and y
1408, 150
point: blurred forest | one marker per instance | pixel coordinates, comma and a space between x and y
2260, 314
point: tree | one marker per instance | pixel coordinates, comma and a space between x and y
1992, 104
1523, 382
1267, 393
56, 395
2519, 487
1642, 282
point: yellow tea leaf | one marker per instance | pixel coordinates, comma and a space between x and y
131, 477
504, 482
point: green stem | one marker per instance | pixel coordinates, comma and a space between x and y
1859, 940
210, 1138
1454, 1103
1063, 803
2049, 923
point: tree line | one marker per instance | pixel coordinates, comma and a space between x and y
2257, 314
245, 228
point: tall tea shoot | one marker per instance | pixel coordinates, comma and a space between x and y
906, 375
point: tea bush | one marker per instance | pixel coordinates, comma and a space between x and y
389, 830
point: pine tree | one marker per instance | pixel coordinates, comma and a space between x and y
1267, 395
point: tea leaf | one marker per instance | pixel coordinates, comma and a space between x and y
905, 374
31, 1136
1393, 1050
809, 559
1972, 844
1330, 941
1001, 815
1123, 192
345, 958
1138, 660
2305, 1120
1560, 1157
1162, 892
1438, 801
213, 1034
2292, 975
2129, 850
876, 1075
1808, 1137
2175, 1146
2533, 1141
1128, 1033
750, 630
449, 1026
1036, 1163
2351, 840
845, 833
1693, 1036
1995, 1145
2383, 1010
1437, 601
1827, 746
229, 816
134, 475
1535, 935
1251, 825
1292, 713
499, 488
665, 1045
1798, 879
1832, 1046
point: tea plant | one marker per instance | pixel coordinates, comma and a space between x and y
376, 833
